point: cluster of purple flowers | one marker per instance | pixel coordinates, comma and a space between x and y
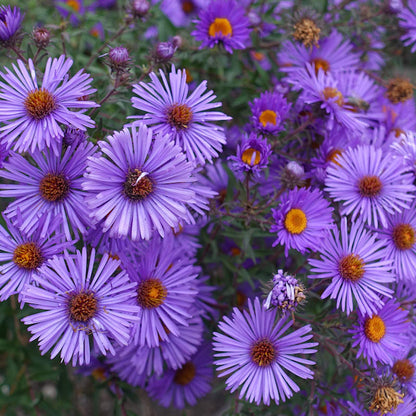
101, 238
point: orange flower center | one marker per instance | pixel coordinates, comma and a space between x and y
351, 267
330, 92
220, 27
320, 64
370, 186
54, 188
151, 293
185, 375
374, 328
82, 306
27, 256
268, 116
137, 185
404, 370
295, 221
251, 157
39, 104
179, 116
263, 353
404, 236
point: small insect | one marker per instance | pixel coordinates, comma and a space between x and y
358, 103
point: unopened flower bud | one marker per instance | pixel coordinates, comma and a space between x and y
177, 41
292, 175
164, 51
118, 58
41, 37
140, 8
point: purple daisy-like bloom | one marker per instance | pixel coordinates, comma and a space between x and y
186, 384
407, 20
252, 156
254, 353
331, 55
120, 364
23, 254
187, 119
270, 111
303, 219
399, 236
80, 305
324, 88
383, 335
405, 147
404, 369
140, 183
357, 266
10, 23
51, 186
370, 184
31, 114
223, 22
166, 291
180, 12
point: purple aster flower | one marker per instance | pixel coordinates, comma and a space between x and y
383, 335
51, 185
270, 111
254, 353
223, 22
22, 254
286, 292
79, 305
185, 385
399, 236
186, 119
166, 291
370, 184
180, 12
407, 20
332, 54
404, 369
31, 114
252, 156
10, 23
140, 183
216, 178
302, 220
325, 89
357, 266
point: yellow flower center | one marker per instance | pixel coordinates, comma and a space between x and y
27, 256
330, 92
295, 221
332, 156
251, 157
374, 328
151, 293
74, 5
220, 27
268, 116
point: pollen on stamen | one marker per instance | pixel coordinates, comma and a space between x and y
27, 256
137, 185
370, 186
251, 157
82, 306
151, 293
351, 267
374, 328
295, 221
320, 64
330, 92
263, 353
268, 117
40, 103
179, 116
54, 187
404, 236
220, 27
